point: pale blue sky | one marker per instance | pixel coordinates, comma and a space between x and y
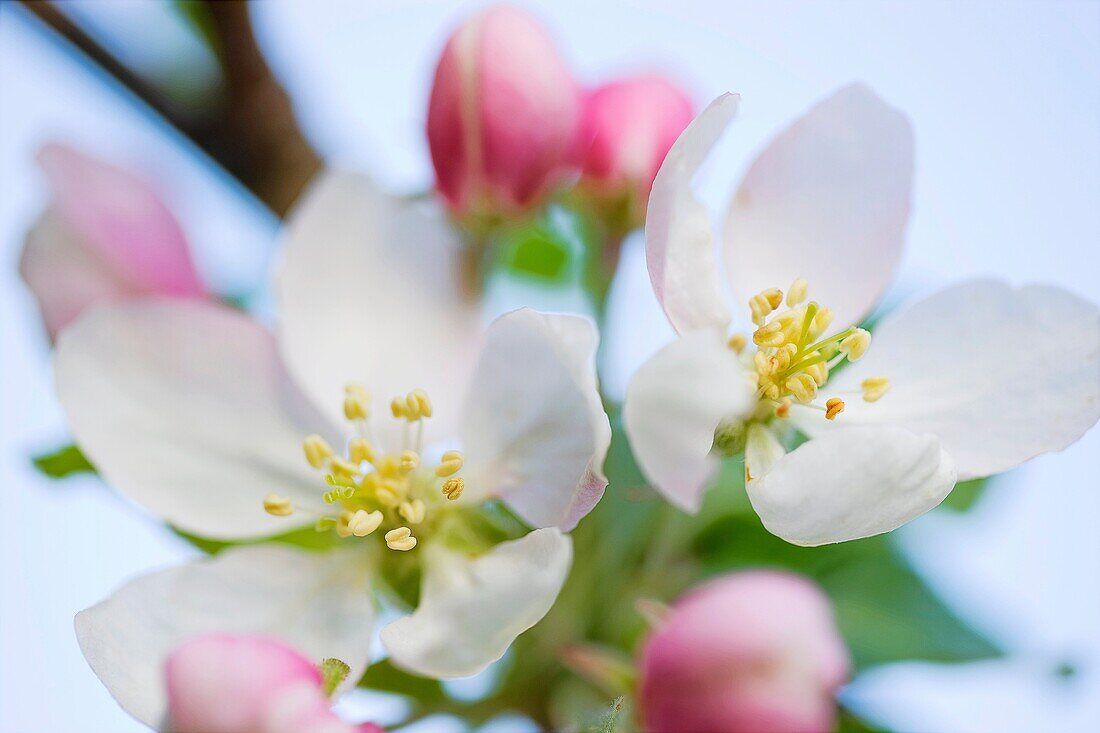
1005, 100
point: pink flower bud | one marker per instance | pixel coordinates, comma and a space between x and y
627, 128
503, 113
751, 652
106, 234
248, 684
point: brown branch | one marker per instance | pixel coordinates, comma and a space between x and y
251, 131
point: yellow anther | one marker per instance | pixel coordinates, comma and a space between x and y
400, 539
412, 511
398, 407
771, 390
342, 524
424, 404
797, 292
803, 387
781, 359
763, 303
450, 464
388, 465
822, 320
412, 407
770, 335
389, 493
340, 467
452, 487
410, 459
818, 372
362, 522
737, 342
783, 409
874, 388
762, 362
833, 407
278, 506
317, 450
856, 345
356, 402
359, 450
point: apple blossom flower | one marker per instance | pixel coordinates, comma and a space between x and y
202, 416
502, 115
750, 652
972, 381
105, 235
627, 128
227, 683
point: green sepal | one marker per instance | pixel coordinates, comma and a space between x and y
64, 461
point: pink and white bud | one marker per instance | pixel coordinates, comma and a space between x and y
627, 128
751, 652
248, 684
503, 113
106, 234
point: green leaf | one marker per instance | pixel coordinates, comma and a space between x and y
849, 723
384, 677
334, 672
965, 494
885, 611
63, 462
537, 251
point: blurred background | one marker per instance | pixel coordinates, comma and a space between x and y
1005, 100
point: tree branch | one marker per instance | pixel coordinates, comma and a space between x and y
251, 131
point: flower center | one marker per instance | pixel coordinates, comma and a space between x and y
371, 490
793, 355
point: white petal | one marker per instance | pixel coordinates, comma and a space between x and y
185, 407
472, 608
317, 602
998, 374
534, 429
673, 404
762, 450
827, 200
680, 248
852, 483
369, 291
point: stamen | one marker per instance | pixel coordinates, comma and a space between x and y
833, 407
389, 493
856, 345
874, 388
410, 459
400, 539
452, 487
356, 402
450, 464
360, 450
797, 292
317, 450
803, 387
398, 407
821, 322
412, 511
783, 409
423, 403
362, 523
278, 506
342, 529
737, 342
770, 335
341, 467
763, 303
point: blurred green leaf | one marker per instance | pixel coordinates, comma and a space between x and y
63, 462
885, 611
965, 494
384, 677
849, 723
537, 251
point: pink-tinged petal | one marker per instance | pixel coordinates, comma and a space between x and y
673, 404
999, 374
827, 200
850, 483
627, 128
534, 430
750, 652
186, 408
319, 603
503, 112
679, 239
107, 234
370, 293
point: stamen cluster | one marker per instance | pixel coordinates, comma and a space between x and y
371, 489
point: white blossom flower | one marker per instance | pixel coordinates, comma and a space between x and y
972, 381
200, 415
